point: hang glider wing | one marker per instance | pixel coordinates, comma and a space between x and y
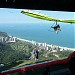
38, 15
68, 21
44, 17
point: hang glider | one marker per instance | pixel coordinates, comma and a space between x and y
45, 17
38, 15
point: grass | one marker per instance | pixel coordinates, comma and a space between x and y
16, 64
25, 62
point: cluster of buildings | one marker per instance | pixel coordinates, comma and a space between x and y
50, 47
45, 46
7, 39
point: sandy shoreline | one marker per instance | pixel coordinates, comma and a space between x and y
66, 48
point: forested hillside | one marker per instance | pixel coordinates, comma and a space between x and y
11, 52
18, 53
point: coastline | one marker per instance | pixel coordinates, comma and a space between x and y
65, 48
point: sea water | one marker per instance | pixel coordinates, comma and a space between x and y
42, 32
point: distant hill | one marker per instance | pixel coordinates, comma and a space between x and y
3, 34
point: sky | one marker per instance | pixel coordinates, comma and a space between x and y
15, 15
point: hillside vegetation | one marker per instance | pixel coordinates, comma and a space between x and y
12, 52
3, 34
18, 53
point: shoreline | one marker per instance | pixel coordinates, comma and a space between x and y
65, 48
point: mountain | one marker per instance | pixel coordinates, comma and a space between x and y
3, 34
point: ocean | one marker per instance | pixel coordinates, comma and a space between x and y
39, 32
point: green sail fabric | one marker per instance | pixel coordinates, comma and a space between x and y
44, 17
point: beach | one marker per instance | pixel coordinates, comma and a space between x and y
46, 45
